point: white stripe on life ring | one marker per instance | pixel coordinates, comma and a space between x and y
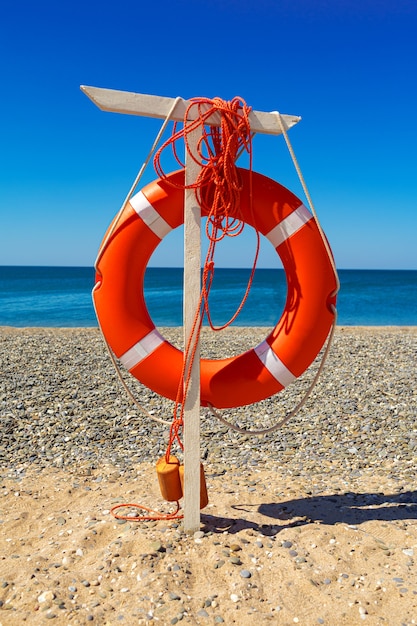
142, 349
149, 215
293, 222
273, 364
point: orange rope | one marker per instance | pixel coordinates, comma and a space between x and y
217, 188
144, 518
217, 152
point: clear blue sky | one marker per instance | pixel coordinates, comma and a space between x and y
348, 67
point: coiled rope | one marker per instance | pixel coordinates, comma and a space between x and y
217, 188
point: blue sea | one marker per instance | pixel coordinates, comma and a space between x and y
61, 297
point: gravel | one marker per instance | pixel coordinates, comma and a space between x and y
62, 405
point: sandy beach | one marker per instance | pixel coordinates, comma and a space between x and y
312, 524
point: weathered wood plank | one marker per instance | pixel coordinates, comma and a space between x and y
192, 287
131, 103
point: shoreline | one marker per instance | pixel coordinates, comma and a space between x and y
342, 326
313, 524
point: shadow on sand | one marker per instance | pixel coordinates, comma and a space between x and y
349, 508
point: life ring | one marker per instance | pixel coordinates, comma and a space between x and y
253, 375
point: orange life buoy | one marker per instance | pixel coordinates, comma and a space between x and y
253, 375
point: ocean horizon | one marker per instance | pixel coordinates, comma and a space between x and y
54, 296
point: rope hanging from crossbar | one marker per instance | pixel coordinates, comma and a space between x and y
217, 188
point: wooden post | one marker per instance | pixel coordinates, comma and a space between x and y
156, 106
192, 286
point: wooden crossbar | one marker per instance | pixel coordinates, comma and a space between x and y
158, 106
